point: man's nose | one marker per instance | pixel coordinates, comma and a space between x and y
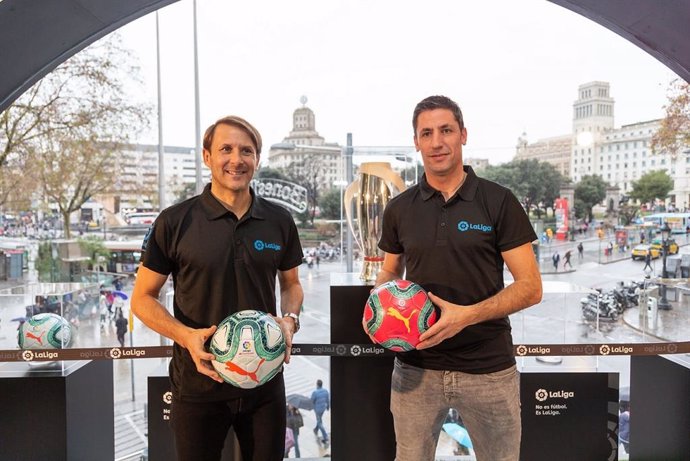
436, 139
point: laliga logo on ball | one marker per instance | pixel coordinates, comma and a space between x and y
397, 313
541, 395
167, 397
28, 356
604, 349
521, 350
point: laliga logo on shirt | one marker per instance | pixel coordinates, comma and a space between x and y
261, 245
465, 226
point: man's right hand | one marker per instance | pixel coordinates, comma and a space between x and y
194, 341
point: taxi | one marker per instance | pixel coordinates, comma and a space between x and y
640, 251
672, 246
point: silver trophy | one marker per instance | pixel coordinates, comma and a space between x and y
370, 193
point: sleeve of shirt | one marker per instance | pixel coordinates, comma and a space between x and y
513, 227
389, 241
293, 249
157, 243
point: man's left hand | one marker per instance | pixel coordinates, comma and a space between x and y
454, 318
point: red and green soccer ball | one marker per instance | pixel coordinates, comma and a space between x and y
396, 313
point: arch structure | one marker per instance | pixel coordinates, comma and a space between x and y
37, 35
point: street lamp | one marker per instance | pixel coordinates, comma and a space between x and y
665, 233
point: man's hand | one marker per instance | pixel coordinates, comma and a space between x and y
287, 326
194, 341
366, 330
454, 318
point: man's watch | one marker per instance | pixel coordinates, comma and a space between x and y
294, 317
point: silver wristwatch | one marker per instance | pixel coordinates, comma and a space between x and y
294, 317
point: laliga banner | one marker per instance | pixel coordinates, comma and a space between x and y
578, 407
343, 350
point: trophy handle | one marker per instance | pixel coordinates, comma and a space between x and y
383, 170
350, 193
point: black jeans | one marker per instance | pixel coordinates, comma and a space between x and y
200, 428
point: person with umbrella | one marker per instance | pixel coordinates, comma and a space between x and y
294, 422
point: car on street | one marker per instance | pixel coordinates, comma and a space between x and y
640, 251
672, 246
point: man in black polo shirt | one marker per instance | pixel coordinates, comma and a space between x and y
224, 249
452, 234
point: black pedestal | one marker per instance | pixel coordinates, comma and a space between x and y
362, 424
57, 414
660, 407
161, 441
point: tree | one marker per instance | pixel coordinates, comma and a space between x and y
309, 173
536, 184
70, 125
185, 191
329, 204
588, 192
651, 186
674, 132
93, 247
628, 213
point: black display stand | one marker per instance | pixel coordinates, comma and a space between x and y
360, 387
57, 413
660, 407
161, 442
569, 416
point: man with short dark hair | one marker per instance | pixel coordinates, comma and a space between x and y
452, 234
224, 249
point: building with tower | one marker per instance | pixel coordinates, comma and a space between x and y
618, 155
305, 153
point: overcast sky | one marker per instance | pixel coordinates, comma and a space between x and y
513, 66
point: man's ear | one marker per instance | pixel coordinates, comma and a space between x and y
207, 157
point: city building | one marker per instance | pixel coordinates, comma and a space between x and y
555, 150
306, 153
137, 186
596, 147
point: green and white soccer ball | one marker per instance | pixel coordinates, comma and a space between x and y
44, 331
249, 349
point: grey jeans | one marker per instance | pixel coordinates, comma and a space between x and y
489, 405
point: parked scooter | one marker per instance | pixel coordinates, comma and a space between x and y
601, 305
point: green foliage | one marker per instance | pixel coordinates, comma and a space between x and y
271, 173
588, 192
44, 262
94, 248
329, 204
651, 186
536, 184
628, 213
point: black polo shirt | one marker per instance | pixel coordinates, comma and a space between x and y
219, 265
453, 249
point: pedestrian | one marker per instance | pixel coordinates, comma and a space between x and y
556, 258
566, 260
580, 251
648, 260
465, 360
224, 249
121, 328
294, 422
322, 402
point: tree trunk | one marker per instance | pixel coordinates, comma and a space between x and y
66, 224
